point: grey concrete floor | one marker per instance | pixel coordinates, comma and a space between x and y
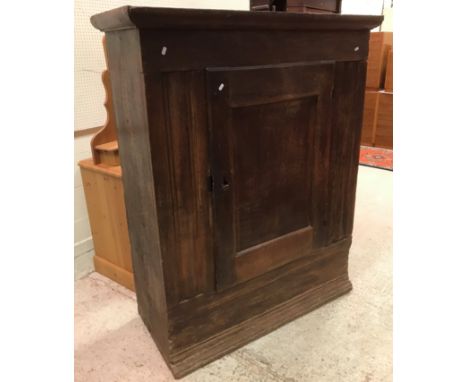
349, 339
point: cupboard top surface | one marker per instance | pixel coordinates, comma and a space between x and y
172, 18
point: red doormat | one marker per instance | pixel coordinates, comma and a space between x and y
376, 157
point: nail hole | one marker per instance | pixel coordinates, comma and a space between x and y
164, 50
225, 183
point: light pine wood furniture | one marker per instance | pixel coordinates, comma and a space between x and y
102, 183
377, 127
389, 72
380, 44
384, 125
369, 118
239, 154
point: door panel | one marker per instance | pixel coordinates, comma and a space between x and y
269, 165
263, 123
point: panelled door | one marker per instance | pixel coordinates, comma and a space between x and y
265, 123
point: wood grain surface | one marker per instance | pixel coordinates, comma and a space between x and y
238, 138
389, 72
106, 210
380, 44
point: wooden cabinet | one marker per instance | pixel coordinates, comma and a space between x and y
239, 154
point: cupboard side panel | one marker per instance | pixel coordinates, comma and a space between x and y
129, 101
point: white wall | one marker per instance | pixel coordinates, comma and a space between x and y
371, 7
362, 7
89, 97
387, 25
83, 241
89, 56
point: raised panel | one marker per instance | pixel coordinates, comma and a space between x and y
263, 122
270, 158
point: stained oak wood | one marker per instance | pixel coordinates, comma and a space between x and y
129, 17
238, 138
263, 121
258, 325
138, 179
255, 296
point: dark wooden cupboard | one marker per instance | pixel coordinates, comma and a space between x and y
239, 155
